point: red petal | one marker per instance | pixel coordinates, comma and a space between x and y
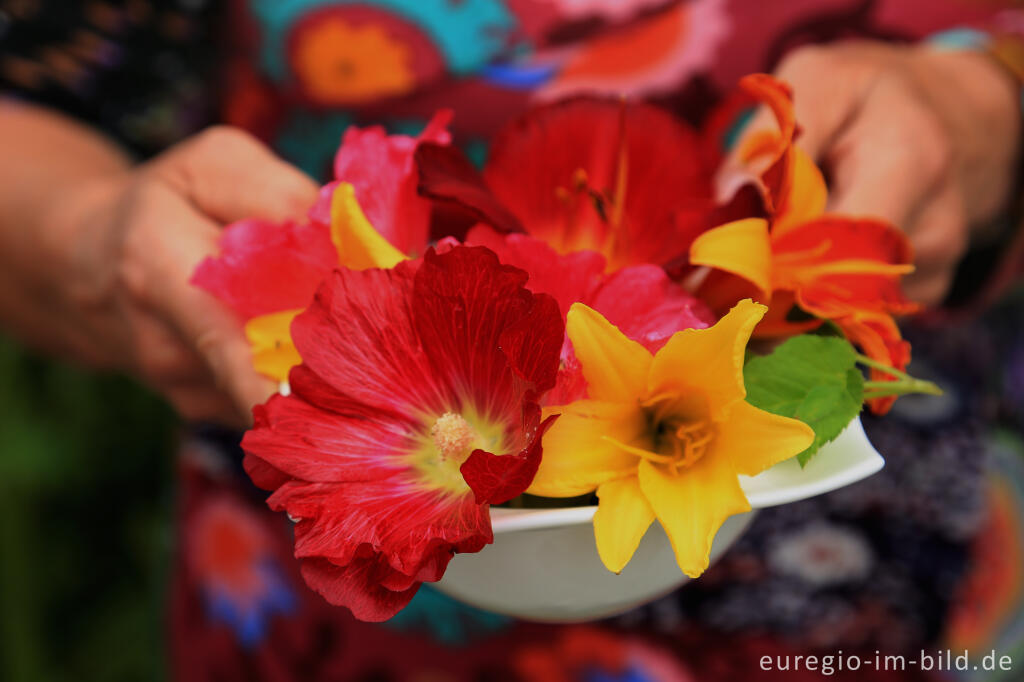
409, 525
498, 478
358, 338
446, 174
474, 320
862, 238
647, 306
570, 384
266, 267
304, 440
569, 278
263, 474
541, 156
382, 170
358, 587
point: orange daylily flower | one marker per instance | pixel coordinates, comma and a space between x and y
832, 267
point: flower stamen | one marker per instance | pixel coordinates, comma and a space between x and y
453, 437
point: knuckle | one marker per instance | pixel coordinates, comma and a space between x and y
804, 61
221, 139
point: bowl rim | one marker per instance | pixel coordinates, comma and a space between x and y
505, 520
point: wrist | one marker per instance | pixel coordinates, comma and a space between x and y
78, 237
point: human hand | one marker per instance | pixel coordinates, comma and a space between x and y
923, 138
130, 244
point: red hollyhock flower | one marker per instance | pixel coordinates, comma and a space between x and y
625, 180
415, 407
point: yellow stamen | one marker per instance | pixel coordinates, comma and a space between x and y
453, 437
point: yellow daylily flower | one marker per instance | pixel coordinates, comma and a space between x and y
663, 436
359, 246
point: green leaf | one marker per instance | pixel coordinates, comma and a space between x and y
811, 378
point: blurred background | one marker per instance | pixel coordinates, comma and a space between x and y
85, 523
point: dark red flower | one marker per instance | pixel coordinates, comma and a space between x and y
625, 180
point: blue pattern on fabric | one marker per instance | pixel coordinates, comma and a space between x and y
250, 619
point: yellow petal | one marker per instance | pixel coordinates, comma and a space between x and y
273, 352
708, 361
614, 365
579, 454
741, 247
755, 440
623, 516
692, 505
359, 245
807, 195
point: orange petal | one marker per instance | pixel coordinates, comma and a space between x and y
806, 197
762, 157
741, 247
778, 97
776, 322
775, 159
838, 265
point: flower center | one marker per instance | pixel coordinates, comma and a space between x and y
682, 442
681, 430
453, 437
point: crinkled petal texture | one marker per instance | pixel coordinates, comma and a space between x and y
382, 170
267, 267
385, 354
602, 175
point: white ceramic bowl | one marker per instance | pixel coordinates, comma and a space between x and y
543, 565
